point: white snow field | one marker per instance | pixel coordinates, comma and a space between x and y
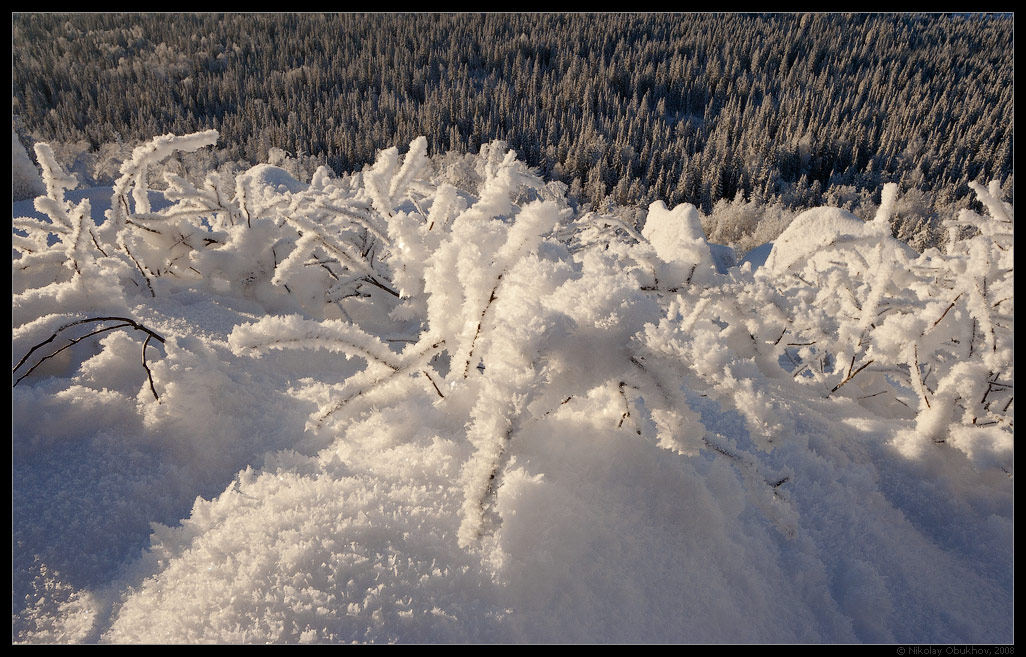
430, 402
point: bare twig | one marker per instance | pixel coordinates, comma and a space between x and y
946, 310
627, 406
130, 322
915, 351
435, 385
373, 281
141, 271
149, 374
125, 322
781, 337
480, 321
412, 362
851, 375
70, 344
129, 222
97, 244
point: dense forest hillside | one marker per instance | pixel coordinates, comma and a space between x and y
624, 108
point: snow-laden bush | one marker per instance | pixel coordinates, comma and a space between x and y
496, 310
838, 304
931, 333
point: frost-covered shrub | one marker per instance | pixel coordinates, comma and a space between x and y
745, 225
471, 281
457, 372
931, 333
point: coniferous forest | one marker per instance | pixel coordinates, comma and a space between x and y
799, 109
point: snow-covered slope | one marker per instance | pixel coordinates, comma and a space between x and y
384, 408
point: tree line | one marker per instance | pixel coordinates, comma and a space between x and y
801, 109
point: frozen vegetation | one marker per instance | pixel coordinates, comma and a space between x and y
435, 401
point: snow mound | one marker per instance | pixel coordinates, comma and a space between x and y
272, 180
679, 241
819, 234
266, 185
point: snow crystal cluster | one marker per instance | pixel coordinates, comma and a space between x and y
432, 401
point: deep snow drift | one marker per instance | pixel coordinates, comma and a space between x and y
431, 402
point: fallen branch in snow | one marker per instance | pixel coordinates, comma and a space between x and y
125, 323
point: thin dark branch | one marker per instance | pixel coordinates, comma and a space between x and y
327, 269
627, 406
915, 351
473, 343
946, 310
141, 271
781, 337
125, 322
850, 376
97, 244
70, 344
435, 385
149, 374
152, 230
386, 288
130, 322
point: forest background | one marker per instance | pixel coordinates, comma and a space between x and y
767, 112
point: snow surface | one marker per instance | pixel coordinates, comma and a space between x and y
757, 256
544, 440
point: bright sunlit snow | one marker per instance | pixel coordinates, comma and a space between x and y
432, 401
